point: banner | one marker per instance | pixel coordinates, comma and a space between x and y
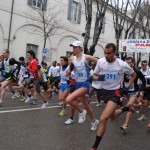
134, 45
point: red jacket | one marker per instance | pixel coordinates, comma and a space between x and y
33, 68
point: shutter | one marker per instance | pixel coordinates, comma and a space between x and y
79, 13
69, 9
30, 2
44, 5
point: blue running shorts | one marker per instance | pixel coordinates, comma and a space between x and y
64, 87
85, 84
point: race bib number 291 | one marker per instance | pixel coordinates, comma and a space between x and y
111, 76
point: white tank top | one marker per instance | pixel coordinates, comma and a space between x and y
81, 69
7, 66
63, 76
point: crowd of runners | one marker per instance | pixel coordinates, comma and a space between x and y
122, 87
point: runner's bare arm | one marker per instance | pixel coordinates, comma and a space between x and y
68, 72
90, 58
133, 76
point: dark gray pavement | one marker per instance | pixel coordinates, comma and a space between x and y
42, 129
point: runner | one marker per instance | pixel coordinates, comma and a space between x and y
8, 72
144, 97
64, 84
110, 70
54, 75
96, 85
79, 64
132, 94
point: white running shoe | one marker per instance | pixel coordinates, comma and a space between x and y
69, 122
124, 128
94, 125
60, 104
1, 102
82, 116
44, 105
28, 99
14, 96
142, 118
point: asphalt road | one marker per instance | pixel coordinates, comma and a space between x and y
25, 127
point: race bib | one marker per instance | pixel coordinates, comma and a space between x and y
7, 69
81, 75
131, 87
111, 76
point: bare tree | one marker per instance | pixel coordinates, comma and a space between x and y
135, 7
144, 20
101, 7
88, 15
48, 20
119, 10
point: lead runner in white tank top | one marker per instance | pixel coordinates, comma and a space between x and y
80, 62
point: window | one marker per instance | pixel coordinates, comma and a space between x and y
34, 48
42, 4
74, 11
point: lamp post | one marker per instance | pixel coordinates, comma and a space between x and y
12, 9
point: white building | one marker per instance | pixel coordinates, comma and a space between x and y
23, 34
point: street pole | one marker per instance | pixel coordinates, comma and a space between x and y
12, 9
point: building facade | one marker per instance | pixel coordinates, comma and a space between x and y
20, 27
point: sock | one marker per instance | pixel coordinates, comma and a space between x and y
93, 121
29, 95
71, 118
23, 93
97, 141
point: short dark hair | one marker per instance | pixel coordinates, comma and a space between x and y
111, 45
64, 58
31, 52
130, 58
22, 58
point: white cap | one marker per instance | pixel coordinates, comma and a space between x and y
77, 43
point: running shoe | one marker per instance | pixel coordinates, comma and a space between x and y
137, 111
94, 125
60, 104
44, 105
1, 102
93, 149
69, 122
62, 112
49, 97
98, 105
124, 128
82, 116
14, 96
148, 125
142, 118
28, 99
22, 99
33, 102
